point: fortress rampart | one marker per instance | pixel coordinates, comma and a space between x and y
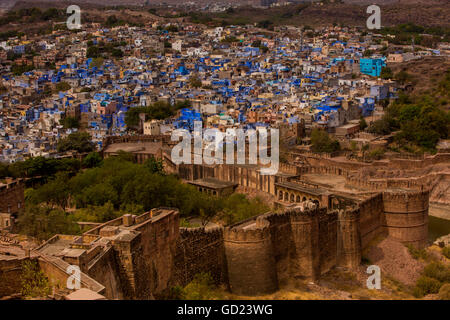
200, 251
11, 275
12, 196
250, 258
349, 239
147, 255
406, 216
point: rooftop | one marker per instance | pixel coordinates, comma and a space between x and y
213, 183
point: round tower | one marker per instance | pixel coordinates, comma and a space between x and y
406, 216
250, 259
349, 239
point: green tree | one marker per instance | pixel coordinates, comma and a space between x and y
43, 222
97, 62
93, 52
34, 282
386, 73
403, 77
92, 160
362, 123
78, 141
380, 127
321, 142
63, 86
54, 193
195, 82
98, 214
4, 171
154, 165
70, 122
158, 110
238, 207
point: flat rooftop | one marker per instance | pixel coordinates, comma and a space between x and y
297, 187
57, 247
213, 183
134, 147
9, 252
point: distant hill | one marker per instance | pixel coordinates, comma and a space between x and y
7, 4
352, 12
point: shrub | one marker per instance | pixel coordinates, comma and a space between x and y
417, 253
376, 154
426, 285
34, 281
446, 252
438, 271
444, 292
200, 288
322, 142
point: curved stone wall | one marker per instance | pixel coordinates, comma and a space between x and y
250, 259
406, 216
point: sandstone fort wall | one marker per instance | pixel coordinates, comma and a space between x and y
250, 259
200, 251
406, 216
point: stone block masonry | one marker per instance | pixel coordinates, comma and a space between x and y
200, 251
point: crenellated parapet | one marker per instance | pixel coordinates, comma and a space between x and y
250, 258
200, 250
255, 231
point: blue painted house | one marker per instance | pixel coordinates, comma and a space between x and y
371, 67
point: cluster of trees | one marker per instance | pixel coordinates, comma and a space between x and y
322, 142
18, 69
265, 24
9, 34
200, 18
404, 33
32, 15
195, 81
110, 49
43, 222
158, 110
70, 122
62, 86
386, 73
113, 21
78, 141
238, 207
419, 123
115, 186
39, 167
